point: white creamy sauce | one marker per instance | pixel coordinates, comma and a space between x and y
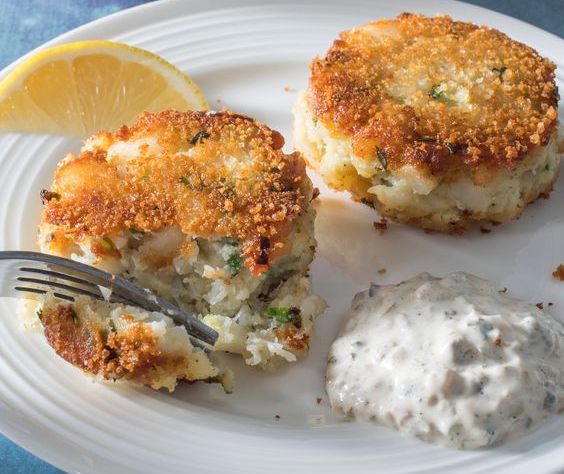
452, 361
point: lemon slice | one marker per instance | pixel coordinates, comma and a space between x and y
80, 88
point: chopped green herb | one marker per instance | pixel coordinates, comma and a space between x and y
112, 325
314, 120
40, 314
235, 263
107, 244
199, 137
500, 72
383, 157
285, 315
185, 180
145, 174
104, 333
548, 402
385, 182
546, 167
227, 189
282, 315
188, 181
136, 232
436, 92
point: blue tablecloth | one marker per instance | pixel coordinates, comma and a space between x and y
26, 24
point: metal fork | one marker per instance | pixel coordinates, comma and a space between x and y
23, 274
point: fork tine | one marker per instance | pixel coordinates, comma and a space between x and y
61, 286
62, 276
40, 262
37, 291
41, 291
122, 290
114, 298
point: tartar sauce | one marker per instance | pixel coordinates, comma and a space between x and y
452, 361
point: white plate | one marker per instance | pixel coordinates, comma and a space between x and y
245, 56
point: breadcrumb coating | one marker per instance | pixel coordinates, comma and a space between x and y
133, 354
212, 174
444, 96
559, 272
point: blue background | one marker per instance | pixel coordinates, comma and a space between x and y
26, 24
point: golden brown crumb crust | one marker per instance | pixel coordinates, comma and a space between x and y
293, 338
192, 183
435, 93
559, 272
132, 354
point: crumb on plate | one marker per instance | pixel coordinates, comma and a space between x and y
559, 272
